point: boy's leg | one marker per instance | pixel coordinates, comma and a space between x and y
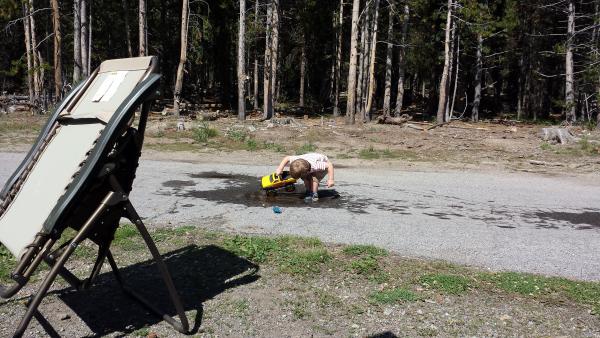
308, 183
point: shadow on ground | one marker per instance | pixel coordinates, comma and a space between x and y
199, 274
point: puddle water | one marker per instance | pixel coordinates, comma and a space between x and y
582, 220
245, 190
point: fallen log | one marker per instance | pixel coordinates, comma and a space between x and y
384, 119
558, 135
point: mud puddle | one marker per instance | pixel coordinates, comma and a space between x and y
245, 190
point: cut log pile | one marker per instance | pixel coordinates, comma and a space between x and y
558, 135
15, 103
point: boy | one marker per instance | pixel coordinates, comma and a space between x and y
311, 168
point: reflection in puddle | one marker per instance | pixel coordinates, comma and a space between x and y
245, 190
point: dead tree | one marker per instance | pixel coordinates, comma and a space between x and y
57, 50
143, 29
27, 33
388, 64
76, 41
351, 101
401, 63
241, 72
255, 96
185, 16
338, 59
444, 80
267, 88
84, 38
569, 92
478, 70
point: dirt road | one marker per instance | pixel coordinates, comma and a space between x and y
496, 220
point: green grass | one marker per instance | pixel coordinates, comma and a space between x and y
237, 135
369, 154
204, 132
359, 250
450, 284
274, 147
545, 146
587, 147
251, 144
7, 263
365, 265
143, 332
306, 148
393, 296
127, 237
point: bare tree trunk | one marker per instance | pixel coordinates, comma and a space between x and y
76, 41
37, 85
57, 50
89, 46
275, 49
127, 33
444, 80
388, 64
456, 75
267, 88
479, 66
371, 90
361, 65
400, 96
84, 38
27, 33
241, 71
302, 70
351, 91
338, 60
185, 15
143, 29
255, 60
569, 78
450, 71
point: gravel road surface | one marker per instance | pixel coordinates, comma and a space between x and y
495, 220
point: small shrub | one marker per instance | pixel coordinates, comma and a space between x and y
203, 132
545, 146
393, 296
237, 135
451, 284
365, 265
304, 262
256, 249
274, 147
251, 144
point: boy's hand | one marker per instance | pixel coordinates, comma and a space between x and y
330, 183
278, 172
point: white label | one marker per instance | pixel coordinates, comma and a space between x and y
109, 86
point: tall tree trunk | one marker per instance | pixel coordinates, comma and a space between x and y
371, 90
84, 38
143, 29
185, 15
456, 75
275, 49
57, 50
89, 46
388, 64
400, 96
361, 64
76, 41
478, 70
37, 81
241, 71
443, 95
450, 71
267, 88
302, 70
127, 33
27, 33
351, 91
338, 59
255, 59
569, 78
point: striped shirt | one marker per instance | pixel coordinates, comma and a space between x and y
318, 162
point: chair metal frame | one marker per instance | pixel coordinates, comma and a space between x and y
100, 223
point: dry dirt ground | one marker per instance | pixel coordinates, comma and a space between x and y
240, 286
459, 145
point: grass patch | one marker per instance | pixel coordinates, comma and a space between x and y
237, 135
587, 147
204, 132
278, 148
359, 250
393, 296
545, 146
171, 147
369, 154
7, 263
251, 144
365, 265
451, 284
254, 248
127, 238
306, 148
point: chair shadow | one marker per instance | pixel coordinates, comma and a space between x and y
199, 274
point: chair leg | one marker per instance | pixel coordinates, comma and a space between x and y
60, 262
181, 326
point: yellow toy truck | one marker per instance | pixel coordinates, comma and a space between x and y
273, 182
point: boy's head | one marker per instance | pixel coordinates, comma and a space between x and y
299, 168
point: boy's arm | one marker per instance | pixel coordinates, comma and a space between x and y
279, 169
330, 179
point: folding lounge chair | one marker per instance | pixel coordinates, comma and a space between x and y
79, 174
